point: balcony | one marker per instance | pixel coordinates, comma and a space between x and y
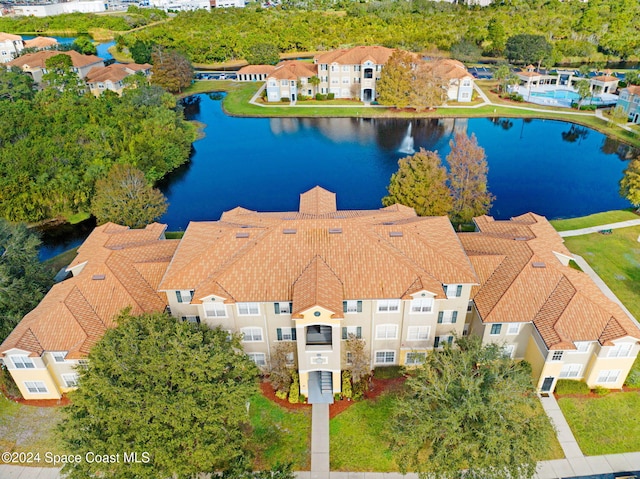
318, 335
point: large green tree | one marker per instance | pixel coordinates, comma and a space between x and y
630, 183
15, 85
468, 178
420, 183
470, 408
171, 389
23, 278
125, 197
84, 45
527, 48
171, 70
394, 86
60, 74
263, 54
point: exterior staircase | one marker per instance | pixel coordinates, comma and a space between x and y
326, 384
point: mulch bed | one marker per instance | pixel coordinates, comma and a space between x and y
378, 387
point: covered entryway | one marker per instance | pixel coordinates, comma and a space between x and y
546, 384
320, 387
367, 94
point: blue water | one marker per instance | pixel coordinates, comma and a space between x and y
101, 47
558, 94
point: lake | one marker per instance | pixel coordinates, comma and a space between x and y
103, 48
552, 168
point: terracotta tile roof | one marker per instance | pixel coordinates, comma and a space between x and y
317, 201
9, 36
385, 253
449, 69
293, 70
38, 59
605, 78
528, 74
356, 56
522, 280
257, 69
115, 72
123, 268
40, 42
317, 285
633, 89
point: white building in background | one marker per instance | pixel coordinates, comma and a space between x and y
180, 5
10, 46
50, 9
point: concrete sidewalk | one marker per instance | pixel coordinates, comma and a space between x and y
595, 229
319, 441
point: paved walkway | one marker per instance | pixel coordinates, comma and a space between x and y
595, 229
319, 442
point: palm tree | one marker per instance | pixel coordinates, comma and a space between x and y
583, 88
314, 81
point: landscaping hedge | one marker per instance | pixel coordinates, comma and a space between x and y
571, 386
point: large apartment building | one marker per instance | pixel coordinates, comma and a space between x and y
404, 284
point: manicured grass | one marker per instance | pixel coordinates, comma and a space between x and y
174, 234
357, 437
594, 220
616, 259
604, 425
78, 217
29, 429
63, 260
279, 435
207, 86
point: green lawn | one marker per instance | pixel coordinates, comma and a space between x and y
604, 425
279, 435
594, 220
616, 259
29, 428
60, 261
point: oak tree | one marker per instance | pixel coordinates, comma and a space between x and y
469, 411
174, 390
282, 364
394, 86
15, 85
527, 48
468, 178
630, 183
60, 74
428, 90
420, 183
171, 70
126, 198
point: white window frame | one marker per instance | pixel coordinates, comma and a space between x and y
388, 305
413, 361
260, 359
513, 329
284, 307
386, 353
418, 333
387, 331
581, 347
509, 350
557, 355
352, 306
452, 290
185, 296
571, 371
249, 308
287, 333
447, 316
20, 361
290, 359
498, 326
352, 330
622, 350
58, 356
39, 386
219, 307
421, 305
70, 380
252, 334
608, 376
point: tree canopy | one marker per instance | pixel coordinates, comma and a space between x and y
172, 389
630, 183
394, 86
469, 407
60, 74
420, 183
15, 85
23, 278
263, 54
526, 48
171, 70
125, 197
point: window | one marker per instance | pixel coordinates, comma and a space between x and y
495, 329
248, 309
387, 331
368, 72
418, 333
422, 305
349, 330
446, 317
356, 68
388, 305
513, 329
385, 357
323, 67
557, 356
334, 68
334, 81
352, 306
508, 350
215, 309
83, 363
284, 82
349, 358
272, 83
571, 371
608, 376
283, 308
184, 296
251, 334
416, 358
70, 380
36, 387
620, 351
258, 358
191, 319
581, 346
440, 341
470, 307
345, 80
22, 362
58, 356
454, 290
286, 334
345, 68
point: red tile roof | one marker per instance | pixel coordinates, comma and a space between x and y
293, 70
38, 59
356, 55
256, 69
115, 72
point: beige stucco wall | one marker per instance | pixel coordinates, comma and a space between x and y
39, 374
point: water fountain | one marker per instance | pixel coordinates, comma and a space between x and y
407, 143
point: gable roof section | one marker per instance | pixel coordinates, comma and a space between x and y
256, 69
40, 42
38, 59
115, 72
123, 269
293, 69
318, 285
356, 55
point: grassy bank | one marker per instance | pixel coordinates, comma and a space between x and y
594, 220
616, 259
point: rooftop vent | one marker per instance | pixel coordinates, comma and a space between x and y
335, 231
395, 234
538, 264
339, 216
98, 277
242, 235
521, 238
388, 223
289, 231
